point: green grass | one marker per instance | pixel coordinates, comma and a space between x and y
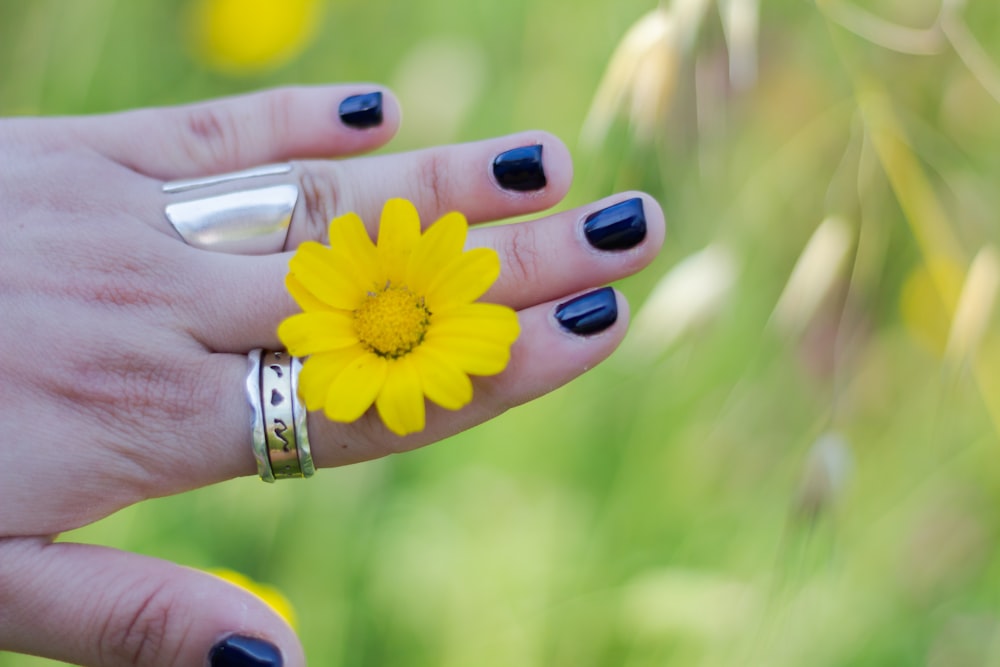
666, 514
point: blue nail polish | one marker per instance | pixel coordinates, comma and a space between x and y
239, 651
362, 111
618, 227
520, 169
589, 313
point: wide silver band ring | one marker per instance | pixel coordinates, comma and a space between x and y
278, 430
244, 212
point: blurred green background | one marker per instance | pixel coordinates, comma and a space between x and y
792, 461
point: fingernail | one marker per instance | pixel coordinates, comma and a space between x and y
362, 111
589, 313
520, 169
618, 227
239, 651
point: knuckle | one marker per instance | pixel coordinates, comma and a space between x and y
434, 179
520, 256
320, 198
138, 626
211, 137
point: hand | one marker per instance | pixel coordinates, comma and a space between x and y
123, 350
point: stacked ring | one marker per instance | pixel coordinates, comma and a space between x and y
250, 212
280, 439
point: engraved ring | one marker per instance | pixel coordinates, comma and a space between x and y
279, 436
247, 212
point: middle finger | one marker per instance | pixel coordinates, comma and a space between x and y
242, 299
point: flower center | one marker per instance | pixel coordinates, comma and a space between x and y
392, 321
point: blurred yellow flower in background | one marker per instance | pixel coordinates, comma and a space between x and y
274, 598
245, 36
928, 300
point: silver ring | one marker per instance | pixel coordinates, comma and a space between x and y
278, 430
254, 220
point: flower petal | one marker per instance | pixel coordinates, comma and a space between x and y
401, 401
317, 270
354, 390
442, 381
318, 331
302, 296
477, 320
464, 279
475, 357
351, 248
398, 234
320, 370
475, 337
440, 244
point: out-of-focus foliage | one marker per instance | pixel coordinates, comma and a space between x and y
802, 469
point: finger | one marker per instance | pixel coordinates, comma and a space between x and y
438, 180
541, 260
547, 355
245, 131
99, 607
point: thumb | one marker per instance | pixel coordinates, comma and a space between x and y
100, 607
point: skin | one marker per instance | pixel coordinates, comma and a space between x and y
122, 346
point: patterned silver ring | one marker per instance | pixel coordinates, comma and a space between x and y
278, 430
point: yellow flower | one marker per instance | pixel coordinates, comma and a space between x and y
392, 323
269, 594
252, 35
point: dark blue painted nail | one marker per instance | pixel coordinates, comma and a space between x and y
362, 111
589, 313
520, 169
239, 651
618, 227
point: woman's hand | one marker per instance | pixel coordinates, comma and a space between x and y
123, 350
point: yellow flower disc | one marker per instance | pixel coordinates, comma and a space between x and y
394, 323
391, 322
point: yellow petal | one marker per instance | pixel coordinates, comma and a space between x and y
477, 320
438, 247
352, 249
317, 270
320, 370
320, 331
302, 296
401, 401
442, 381
354, 390
398, 234
464, 280
474, 356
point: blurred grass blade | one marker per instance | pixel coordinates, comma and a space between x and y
924, 213
969, 50
888, 35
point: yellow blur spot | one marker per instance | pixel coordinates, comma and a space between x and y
928, 301
274, 598
245, 36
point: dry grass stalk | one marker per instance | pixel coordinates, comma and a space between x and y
816, 272
975, 307
640, 78
741, 26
